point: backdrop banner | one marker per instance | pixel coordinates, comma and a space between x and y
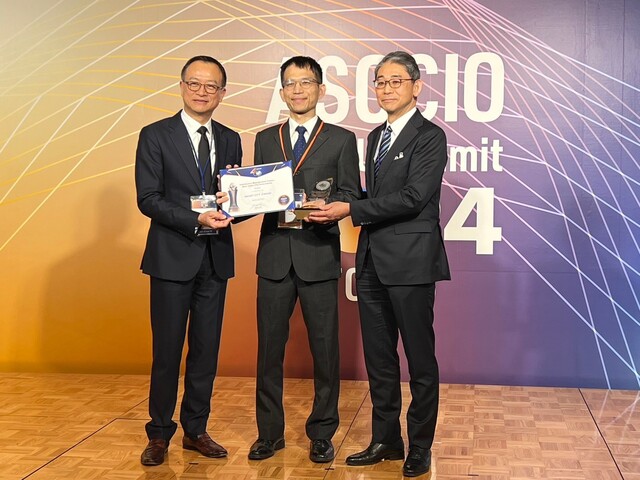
540, 102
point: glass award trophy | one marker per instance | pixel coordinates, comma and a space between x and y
318, 196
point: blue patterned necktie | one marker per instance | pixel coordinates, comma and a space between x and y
301, 144
382, 151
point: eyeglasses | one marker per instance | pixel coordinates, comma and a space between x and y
393, 83
208, 87
305, 83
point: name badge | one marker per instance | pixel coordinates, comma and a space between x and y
201, 204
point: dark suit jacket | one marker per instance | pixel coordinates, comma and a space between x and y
400, 218
166, 176
313, 251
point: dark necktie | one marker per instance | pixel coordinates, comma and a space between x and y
301, 144
204, 155
382, 151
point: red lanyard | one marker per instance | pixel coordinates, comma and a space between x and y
309, 145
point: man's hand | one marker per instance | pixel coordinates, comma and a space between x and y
332, 212
227, 168
222, 197
317, 203
214, 219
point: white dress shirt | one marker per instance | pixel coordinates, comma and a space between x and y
192, 128
309, 125
396, 128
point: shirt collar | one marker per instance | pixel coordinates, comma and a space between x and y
309, 125
192, 124
401, 122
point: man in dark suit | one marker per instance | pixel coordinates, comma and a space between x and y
302, 263
188, 256
400, 256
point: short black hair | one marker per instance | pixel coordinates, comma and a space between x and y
206, 59
302, 62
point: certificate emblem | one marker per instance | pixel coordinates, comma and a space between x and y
284, 200
233, 198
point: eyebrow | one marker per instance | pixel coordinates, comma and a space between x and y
208, 82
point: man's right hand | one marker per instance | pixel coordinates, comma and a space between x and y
214, 219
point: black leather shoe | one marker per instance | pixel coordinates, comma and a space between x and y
321, 451
418, 462
154, 452
377, 452
205, 445
262, 448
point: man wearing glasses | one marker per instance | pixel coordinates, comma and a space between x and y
188, 256
400, 256
301, 261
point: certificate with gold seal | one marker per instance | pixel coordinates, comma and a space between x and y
257, 189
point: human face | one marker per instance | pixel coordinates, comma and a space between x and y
301, 102
397, 101
200, 105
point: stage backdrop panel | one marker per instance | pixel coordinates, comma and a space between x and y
540, 207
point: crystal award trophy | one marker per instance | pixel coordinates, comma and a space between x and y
317, 197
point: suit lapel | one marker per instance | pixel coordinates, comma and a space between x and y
371, 150
407, 135
221, 154
180, 138
323, 136
286, 140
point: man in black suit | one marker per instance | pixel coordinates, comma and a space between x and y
400, 256
302, 263
188, 256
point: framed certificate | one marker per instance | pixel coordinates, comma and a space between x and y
257, 189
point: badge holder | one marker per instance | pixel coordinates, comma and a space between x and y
287, 218
201, 204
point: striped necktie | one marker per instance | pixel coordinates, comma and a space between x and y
382, 151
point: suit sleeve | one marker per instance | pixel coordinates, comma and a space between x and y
424, 177
234, 150
238, 150
150, 187
257, 150
348, 181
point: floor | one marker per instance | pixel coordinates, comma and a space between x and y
55, 426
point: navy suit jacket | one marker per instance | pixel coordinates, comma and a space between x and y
400, 216
166, 177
